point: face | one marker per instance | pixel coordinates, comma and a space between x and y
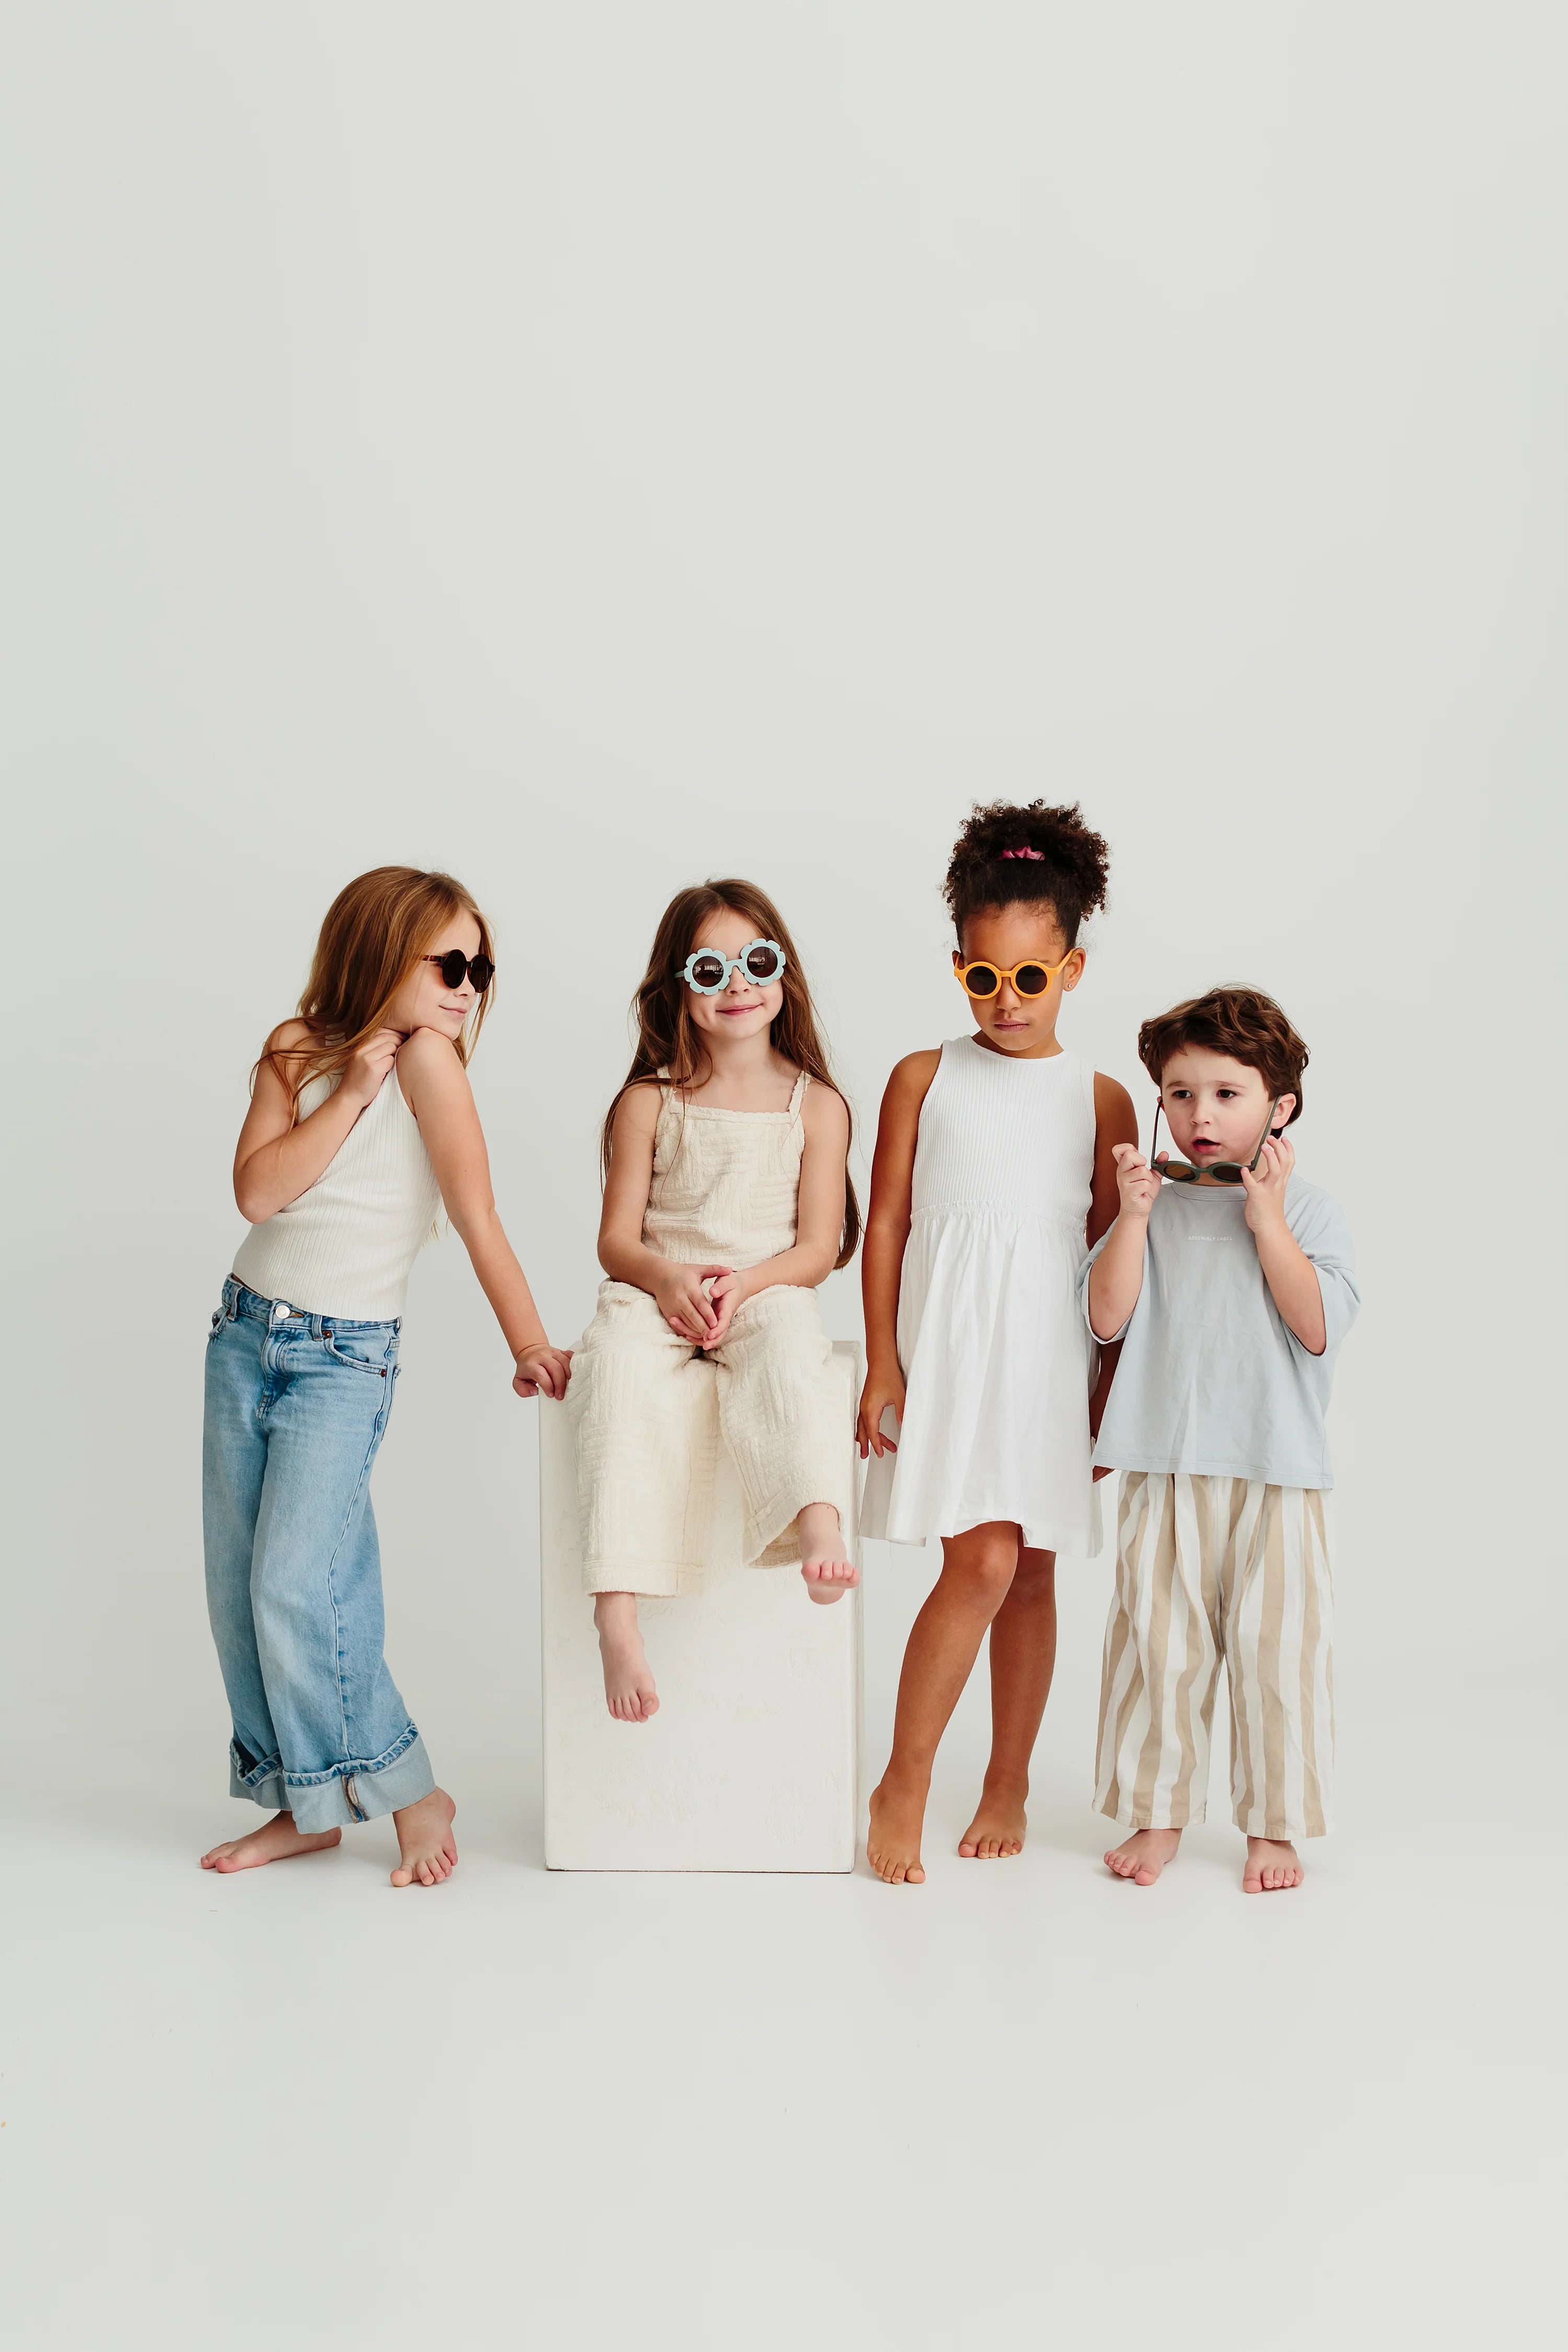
424, 1000
1215, 1107
1008, 937
740, 1008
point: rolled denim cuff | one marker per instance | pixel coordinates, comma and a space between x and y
346, 1794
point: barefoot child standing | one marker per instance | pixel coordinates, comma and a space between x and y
1231, 1283
727, 1200
994, 1155
362, 1124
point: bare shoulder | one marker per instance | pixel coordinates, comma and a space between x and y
288, 1037
911, 1080
429, 1070
1113, 1103
824, 1114
636, 1113
289, 1041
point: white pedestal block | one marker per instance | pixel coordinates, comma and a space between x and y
753, 1761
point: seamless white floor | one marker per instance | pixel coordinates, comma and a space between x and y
1022, 2104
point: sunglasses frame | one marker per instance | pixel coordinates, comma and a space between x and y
468, 971
1229, 1171
961, 972
731, 964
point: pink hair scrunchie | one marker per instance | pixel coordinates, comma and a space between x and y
1037, 854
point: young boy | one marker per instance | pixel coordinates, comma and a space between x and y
1230, 1283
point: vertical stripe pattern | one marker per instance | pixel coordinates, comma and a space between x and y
1211, 1568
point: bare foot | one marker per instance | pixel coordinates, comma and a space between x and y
1144, 1855
629, 1693
893, 1844
275, 1841
998, 1825
1272, 1864
824, 1562
426, 1849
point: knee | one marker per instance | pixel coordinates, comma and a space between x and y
984, 1571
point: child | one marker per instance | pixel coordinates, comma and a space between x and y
360, 1125
727, 1201
1233, 1282
993, 1151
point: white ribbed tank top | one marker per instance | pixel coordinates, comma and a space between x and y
1011, 1138
345, 1246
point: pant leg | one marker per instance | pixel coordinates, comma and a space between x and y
783, 1419
645, 1427
1278, 1637
1161, 1653
348, 1747
234, 1464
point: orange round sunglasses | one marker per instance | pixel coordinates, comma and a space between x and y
984, 979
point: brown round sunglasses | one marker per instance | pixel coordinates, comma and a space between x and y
1224, 1171
455, 964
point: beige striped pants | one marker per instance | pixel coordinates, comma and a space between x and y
1205, 1569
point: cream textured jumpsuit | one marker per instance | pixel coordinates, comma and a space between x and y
649, 1410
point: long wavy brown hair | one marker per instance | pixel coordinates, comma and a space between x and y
375, 931
669, 1039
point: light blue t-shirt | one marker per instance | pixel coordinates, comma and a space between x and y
1211, 1378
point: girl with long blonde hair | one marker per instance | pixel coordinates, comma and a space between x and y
727, 1200
361, 1125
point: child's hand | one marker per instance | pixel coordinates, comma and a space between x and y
1265, 1190
368, 1064
881, 1391
727, 1292
1136, 1181
543, 1367
684, 1304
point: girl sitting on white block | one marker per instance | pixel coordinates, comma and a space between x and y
727, 1200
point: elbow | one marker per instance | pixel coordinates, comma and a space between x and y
249, 1201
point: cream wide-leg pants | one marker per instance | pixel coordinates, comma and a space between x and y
1211, 1568
650, 1411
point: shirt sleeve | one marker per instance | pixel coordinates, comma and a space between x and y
1083, 1293
1318, 1223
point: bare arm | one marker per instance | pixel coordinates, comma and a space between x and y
437, 1090
1291, 1276
1116, 1278
675, 1289
887, 1231
276, 1159
819, 1213
1115, 1124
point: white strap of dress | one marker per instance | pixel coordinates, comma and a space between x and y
798, 1096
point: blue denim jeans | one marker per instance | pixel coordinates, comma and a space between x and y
296, 1405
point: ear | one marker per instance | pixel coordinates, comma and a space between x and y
1283, 1111
1077, 959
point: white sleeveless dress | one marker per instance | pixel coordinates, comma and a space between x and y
998, 1360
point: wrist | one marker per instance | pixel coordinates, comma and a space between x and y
535, 1346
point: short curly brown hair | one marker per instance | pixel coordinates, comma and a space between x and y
1236, 1021
1032, 853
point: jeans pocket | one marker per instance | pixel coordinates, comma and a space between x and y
362, 1349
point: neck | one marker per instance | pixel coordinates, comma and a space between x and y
734, 1060
1041, 1050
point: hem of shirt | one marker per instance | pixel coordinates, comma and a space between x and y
1164, 1466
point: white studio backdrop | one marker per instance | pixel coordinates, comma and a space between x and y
593, 448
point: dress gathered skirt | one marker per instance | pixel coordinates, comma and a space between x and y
996, 1357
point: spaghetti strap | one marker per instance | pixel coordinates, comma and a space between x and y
798, 1096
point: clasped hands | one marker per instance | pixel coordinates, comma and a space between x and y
693, 1310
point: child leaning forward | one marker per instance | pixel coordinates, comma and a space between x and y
1230, 1281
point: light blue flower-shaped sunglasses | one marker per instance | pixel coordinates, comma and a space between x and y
706, 971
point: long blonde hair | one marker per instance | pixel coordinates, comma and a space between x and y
667, 1037
375, 931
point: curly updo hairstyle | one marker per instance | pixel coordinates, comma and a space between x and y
1009, 855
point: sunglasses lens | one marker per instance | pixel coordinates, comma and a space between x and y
1031, 980
981, 979
761, 965
453, 967
1179, 1171
1225, 1171
707, 972
481, 971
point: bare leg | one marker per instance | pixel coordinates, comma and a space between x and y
824, 1562
427, 1852
1143, 1855
977, 1568
1272, 1864
275, 1841
1023, 1653
629, 1693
